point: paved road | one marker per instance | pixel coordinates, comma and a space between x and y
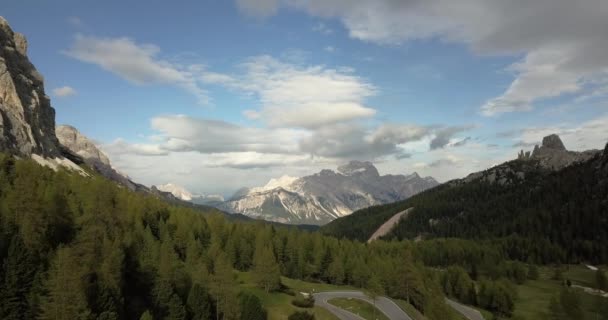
385, 305
468, 312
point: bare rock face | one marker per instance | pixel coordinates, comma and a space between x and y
78, 144
27, 120
553, 142
552, 154
325, 196
72, 139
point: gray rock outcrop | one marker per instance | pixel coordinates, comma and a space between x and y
27, 120
78, 144
553, 155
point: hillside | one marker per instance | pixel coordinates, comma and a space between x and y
524, 201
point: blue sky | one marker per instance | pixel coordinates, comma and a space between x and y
216, 95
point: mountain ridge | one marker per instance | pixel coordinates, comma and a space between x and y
325, 195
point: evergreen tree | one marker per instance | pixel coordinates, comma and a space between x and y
223, 289
199, 303
19, 267
250, 307
266, 269
66, 299
175, 309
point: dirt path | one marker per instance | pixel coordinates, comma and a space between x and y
389, 224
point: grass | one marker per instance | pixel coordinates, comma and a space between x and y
279, 304
534, 295
359, 307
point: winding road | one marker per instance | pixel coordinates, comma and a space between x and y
385, 305
466, 311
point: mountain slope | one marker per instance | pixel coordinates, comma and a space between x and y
325, 196
522, 199
27, 120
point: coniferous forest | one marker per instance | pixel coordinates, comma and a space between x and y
75, 247
552, 217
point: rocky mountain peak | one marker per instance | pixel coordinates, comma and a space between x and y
72, 139
27, 120
358, 167
553, 142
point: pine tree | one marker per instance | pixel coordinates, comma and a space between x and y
251, 307
199, 303
175, 308
20, 267
266, 269
223, 288
66, 299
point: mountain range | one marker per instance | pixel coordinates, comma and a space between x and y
326, 195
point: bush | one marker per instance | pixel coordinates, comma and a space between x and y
251, 307
287, 290
304, 302
301, 315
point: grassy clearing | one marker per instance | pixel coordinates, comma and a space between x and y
279, 304
359, 307
534, 296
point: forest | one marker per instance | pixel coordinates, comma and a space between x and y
557, 217
75, 247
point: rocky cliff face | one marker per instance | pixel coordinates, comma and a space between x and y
553, 155
550, 156
27, 120
325, 196
74, 142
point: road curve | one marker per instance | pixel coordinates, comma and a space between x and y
468, 312
385, 305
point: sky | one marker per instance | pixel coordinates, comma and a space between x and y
218, 95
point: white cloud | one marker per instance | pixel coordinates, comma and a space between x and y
183, 134
563, 42
136, 63
301, 96
121, 147
65, 91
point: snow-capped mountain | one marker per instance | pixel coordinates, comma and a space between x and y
325, 196
183, 194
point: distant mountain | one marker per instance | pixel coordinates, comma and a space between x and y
325, 196
183, 194
551, 199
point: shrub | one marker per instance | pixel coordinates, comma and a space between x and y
304, 302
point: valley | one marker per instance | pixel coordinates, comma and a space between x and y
475, 217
